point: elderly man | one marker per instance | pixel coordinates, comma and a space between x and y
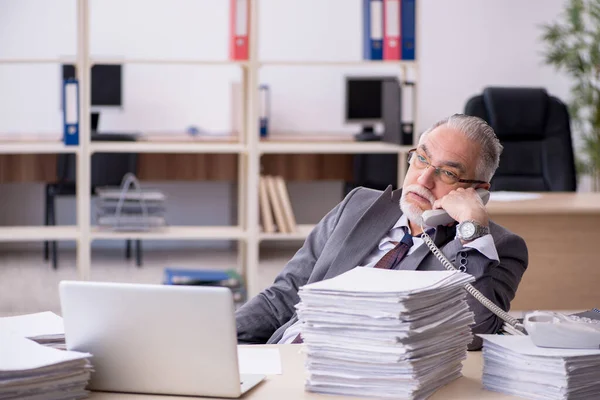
455, 156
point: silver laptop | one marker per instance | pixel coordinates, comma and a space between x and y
158, 339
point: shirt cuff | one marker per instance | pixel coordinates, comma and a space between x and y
485, 245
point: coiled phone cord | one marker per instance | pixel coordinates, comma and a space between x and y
511, 326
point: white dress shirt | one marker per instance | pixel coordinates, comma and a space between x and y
485, 245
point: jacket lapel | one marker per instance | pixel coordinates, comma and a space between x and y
443, 234
367, 232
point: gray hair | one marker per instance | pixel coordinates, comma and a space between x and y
478, 130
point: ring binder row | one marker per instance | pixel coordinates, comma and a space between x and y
121, 209
389, 29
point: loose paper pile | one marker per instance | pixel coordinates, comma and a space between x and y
44, 328
29, 370
130, 210
514, 365
385, 333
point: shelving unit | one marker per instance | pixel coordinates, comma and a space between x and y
245, 144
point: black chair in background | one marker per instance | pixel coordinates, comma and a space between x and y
108, 169
535, 131
375, 171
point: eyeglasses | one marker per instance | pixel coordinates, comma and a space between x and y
419, 161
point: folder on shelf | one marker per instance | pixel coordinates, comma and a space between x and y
373, 29
407, 29
286, 203
71, 112
265, 109
239, 27
408, 107
280, 220
266, 214
391, 29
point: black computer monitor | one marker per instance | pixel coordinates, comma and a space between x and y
107, 83
363, 104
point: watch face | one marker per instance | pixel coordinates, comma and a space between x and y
467, 230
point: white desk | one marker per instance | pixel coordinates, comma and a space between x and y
290, 385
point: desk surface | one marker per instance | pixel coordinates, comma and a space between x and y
291, 383
552, 203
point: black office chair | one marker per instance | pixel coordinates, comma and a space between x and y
535, 131
375, 171
108, 169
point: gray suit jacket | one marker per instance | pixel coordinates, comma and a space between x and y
348, 233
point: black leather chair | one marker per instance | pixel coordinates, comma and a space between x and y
108, 169
375, 171
534, 129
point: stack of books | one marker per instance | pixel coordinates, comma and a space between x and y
276, 210
385, 333
29, 370
229, 279
45, 328
515, 365
120, 209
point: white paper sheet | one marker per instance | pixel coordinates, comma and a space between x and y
18, 353
259, 360
513, 196
359, 281
524, 345
34, 325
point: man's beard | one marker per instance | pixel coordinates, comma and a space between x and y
413, 212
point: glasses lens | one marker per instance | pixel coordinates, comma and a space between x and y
447, 176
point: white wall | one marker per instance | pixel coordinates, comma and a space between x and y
463, 46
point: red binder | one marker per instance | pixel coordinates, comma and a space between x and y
391, 29
239, 27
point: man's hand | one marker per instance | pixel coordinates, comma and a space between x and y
462, 205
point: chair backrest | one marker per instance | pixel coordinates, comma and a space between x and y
108, 169
534, 129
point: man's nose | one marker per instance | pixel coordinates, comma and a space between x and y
427, 177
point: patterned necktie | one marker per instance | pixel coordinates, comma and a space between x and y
395, 255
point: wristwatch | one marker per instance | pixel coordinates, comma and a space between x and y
470, 230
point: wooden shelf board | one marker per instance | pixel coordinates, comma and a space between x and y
37, 233
172, 61
302, 231
174, 233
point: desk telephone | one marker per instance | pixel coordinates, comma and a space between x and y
546, 329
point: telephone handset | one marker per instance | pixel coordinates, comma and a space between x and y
441, 217
546, 329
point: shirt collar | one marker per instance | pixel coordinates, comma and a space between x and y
403, 223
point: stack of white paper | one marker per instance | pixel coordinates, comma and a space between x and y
31, 371
385, 333
45, 328
514, 365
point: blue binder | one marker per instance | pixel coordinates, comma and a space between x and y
407, 16
265, 110
70, 97
373, 29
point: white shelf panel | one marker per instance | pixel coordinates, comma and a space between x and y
301, 233
174, 233
67, 60
349, 63
330, 148
29, 147
168, 147
37, 233
172, 61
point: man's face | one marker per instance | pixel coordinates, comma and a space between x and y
445, 148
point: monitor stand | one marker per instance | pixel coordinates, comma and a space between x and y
367, 135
